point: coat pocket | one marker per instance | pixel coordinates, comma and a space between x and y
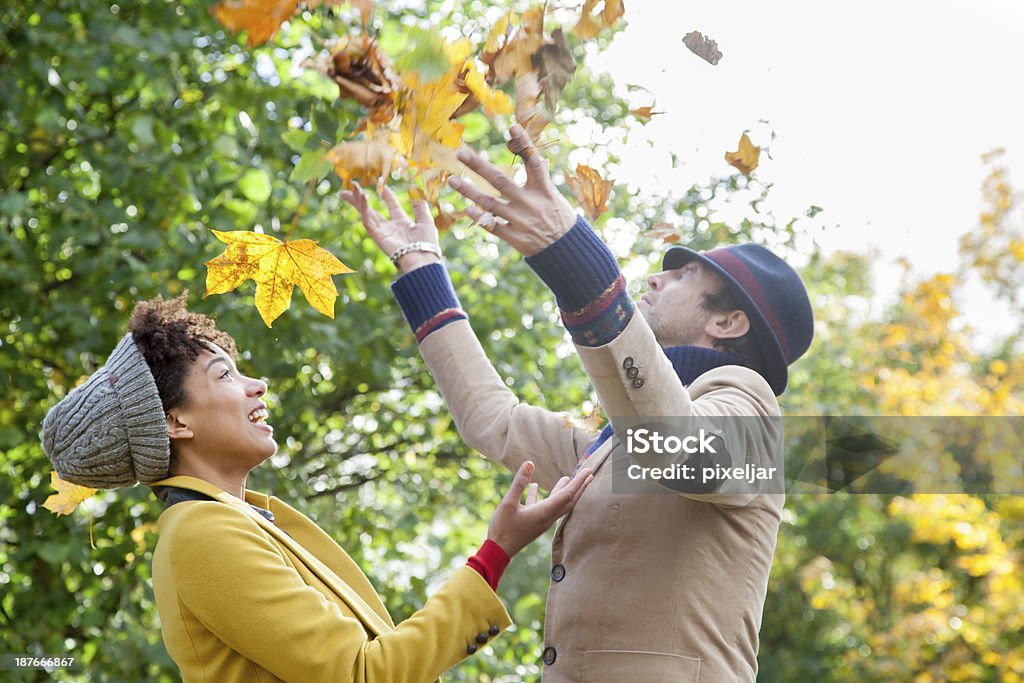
616, 666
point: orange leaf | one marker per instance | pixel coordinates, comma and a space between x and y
745, 158
277, 267
591, 190
366, 160
365, 8
589, 24
530, 113
515, 56
68, 495
644, 114
664, 231
261, 18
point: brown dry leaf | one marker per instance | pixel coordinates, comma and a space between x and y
68, 495
555, 66
366, 160
702, 46
664, 231
530, 114
260, 18
516, 55
590, 25
745, 158
362, 72
644, 114
591, 190
591, 422
277, 267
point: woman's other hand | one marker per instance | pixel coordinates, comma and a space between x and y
391, 234
515, 524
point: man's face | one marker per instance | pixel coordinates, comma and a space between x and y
225, 413
673, 307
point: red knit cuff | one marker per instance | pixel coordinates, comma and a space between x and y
490, 562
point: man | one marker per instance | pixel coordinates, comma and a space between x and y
647, 588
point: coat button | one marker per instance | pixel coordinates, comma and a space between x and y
557, 573
632, 372
471, 649
628, 362
493, 631
481, 638
638, 382
549, 655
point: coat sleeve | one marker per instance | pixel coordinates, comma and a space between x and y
488, 415
242, 588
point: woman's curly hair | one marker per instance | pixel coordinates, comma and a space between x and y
170, 337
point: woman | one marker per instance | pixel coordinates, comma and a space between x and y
248, 588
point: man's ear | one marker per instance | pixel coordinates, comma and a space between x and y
730, 325
176, 429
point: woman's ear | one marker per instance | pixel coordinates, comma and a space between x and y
731, 325
176, 429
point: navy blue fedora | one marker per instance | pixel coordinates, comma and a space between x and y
772, 295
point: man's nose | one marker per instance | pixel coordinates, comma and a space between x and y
654, 281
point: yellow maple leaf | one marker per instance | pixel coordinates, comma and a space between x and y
261, 18
745, 158
277, 267
591, 190
68, 495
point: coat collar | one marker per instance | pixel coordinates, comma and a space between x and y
370, 618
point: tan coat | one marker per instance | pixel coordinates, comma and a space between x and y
645, 588
242, 599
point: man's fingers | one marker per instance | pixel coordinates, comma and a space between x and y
521, 144
483, 200
489, 172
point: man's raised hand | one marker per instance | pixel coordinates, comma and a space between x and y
529, 216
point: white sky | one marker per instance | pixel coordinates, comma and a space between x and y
881, 110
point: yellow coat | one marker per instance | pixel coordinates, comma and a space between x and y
243, 599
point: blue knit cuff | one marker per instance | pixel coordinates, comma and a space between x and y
427, 299
587, 283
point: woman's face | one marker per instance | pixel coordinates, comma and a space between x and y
224, 413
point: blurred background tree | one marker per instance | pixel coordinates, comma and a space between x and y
130, 130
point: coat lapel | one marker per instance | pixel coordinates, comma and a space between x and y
363, 611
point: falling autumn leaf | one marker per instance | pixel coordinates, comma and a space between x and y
68, 495
260, 18
365, 8
555, 66
515, 56
590, 24
277, 267
702, 46
493, 101
530, 113
366, 160
664, 231
745, 158
591, 422
591, 190
644, 114
363, 72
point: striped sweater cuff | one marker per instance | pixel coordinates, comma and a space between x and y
427, 299
587, 283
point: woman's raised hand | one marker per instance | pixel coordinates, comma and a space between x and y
515, 524
397, 231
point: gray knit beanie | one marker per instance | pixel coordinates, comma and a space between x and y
110, 431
